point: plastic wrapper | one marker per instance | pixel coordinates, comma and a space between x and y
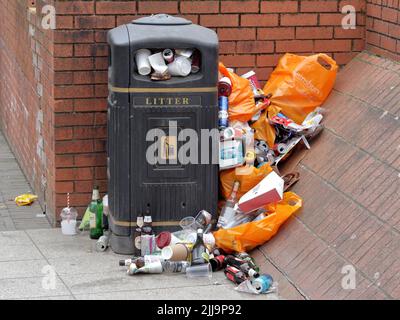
25, 199
299, 84
248, 236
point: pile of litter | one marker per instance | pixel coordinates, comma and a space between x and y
259, 129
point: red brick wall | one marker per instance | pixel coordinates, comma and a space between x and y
26, 94
383, 28
253, 34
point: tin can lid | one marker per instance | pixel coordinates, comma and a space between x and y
163, 239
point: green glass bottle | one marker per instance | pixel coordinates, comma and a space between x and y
96, 215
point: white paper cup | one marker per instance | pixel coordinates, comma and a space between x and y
142, 61
157, 62
180, 67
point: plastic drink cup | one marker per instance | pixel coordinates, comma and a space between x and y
203, 218
158, 63
180, 67
183, 234
199, 271
142, 61
68, 223
189, 223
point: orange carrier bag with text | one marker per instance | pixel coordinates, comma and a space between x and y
300, 84
248, 236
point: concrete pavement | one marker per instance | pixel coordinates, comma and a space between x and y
44, 264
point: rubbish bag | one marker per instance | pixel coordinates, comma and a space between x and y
248, 236
247, 181
300, 84
242, 106
264, 130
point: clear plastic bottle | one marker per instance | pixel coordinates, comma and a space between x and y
228, 212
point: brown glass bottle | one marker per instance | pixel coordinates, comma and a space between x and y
137, 234
148, 224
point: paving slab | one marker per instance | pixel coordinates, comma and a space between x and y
14, 183
213, 292
21, 288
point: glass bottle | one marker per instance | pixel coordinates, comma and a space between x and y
96, 215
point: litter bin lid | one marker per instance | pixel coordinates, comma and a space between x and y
162, 19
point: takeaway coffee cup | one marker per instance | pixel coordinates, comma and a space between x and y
158, 63
180, 67
177, 252
142, 61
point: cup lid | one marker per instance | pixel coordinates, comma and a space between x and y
163, 239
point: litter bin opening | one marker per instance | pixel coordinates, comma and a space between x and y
164, 64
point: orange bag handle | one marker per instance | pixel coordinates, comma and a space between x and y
223, 70
327, 59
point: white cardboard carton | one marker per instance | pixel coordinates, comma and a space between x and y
269, 190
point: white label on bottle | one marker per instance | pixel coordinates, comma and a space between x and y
92, 219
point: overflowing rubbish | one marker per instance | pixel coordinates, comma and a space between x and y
259, 129
162, 64
25, 199
193, 251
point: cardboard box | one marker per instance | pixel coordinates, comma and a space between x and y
269, 190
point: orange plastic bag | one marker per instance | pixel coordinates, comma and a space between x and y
248, 179
264, 130
248, 236
300, 84
242, 106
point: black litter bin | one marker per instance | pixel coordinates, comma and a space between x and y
137, 105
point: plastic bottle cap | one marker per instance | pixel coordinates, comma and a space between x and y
163, 239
